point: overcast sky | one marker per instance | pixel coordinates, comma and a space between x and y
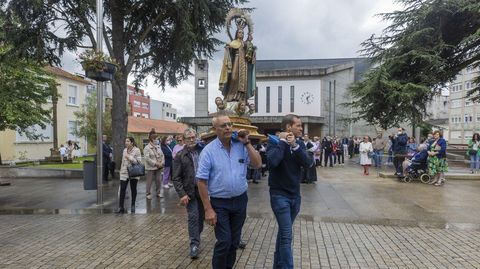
286, 29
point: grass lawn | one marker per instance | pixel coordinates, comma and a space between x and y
77, 164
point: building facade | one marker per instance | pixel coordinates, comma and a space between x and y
138, 102
314, 89
73, 91
201, 88
160, 110
464, 115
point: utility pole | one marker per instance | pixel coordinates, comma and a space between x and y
329, 108
334, 107
99, 108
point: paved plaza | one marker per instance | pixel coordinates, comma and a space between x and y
347, 221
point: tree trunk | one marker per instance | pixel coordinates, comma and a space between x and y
119, 85
119, 118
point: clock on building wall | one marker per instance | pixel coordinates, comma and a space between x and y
307, 98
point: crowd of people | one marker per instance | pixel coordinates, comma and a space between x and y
211, 177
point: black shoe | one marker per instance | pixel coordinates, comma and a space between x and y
132, 209
242, 244
120, 211
194, 252
255, 181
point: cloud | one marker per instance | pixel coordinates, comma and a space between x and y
285, 29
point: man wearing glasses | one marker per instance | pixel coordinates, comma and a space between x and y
221, 175
185, 165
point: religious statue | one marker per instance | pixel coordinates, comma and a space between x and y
237, 78
251, 108
220, 104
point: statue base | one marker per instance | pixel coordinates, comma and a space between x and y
238, 124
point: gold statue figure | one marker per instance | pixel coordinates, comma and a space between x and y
237, 78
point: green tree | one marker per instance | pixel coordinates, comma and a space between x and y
423, 49
146, 38
25, 88
87, 120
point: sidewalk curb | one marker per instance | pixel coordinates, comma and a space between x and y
28, 172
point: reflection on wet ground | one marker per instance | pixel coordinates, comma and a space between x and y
341, 195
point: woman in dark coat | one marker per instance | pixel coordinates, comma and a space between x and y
167, 170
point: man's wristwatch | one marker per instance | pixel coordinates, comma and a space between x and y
246, 143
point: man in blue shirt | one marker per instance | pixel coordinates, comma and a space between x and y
221, 175
285, 160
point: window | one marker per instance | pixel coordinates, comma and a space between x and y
457, 88
268, 100
201, 83
45, 135
72, 95
468, 85
174, 116
168, 114
279, 99
478, 117
456, 119
137, 103
468, 118
145, 105
468, 102
72, 128
292, 98
136, 114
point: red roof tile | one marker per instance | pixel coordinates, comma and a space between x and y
143, 125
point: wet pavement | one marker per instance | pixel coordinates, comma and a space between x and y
341, 194
347, 220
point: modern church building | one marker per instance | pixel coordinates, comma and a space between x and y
313, 89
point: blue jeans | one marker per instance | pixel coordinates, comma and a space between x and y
474, 162
285, 210
231, 214
378, 158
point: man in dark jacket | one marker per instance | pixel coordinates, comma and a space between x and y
399, 150
327, 146
285, 160
184, 169
107, 157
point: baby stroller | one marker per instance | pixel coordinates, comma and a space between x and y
418, 168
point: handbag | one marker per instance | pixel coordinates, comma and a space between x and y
370, 154
136, 170
472, 152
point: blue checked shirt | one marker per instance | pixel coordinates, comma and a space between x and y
224, 172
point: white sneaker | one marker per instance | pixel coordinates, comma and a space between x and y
159, 195
149, 196
170, 184
166, 186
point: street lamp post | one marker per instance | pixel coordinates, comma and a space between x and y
99, 108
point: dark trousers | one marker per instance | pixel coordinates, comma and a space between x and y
328, 156
195, 216
231, 214
106, 169
123, 188
340, 158
285, 210
398, 160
